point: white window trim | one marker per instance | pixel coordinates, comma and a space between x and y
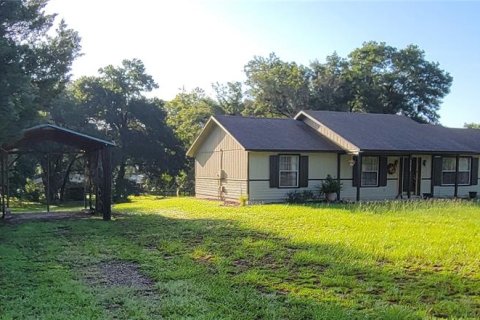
469, 171
280, 171
377, 172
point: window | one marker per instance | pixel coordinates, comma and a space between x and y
369, 171
288, 171
448, 171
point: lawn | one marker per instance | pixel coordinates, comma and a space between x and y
18, 206
182, 258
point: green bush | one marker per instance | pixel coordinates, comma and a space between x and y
300, 197
330, 185
34, 191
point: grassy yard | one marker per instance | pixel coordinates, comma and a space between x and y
18, 206
186, 258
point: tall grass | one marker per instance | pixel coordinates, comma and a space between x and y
405, 206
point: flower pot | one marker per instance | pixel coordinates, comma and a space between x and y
472, 194
331, 197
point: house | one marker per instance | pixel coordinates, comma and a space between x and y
375, 156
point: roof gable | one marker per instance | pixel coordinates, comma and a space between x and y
267, 134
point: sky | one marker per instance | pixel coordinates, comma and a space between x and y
188, 44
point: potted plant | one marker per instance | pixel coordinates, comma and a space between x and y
330, 187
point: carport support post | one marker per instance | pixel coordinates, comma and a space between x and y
107, 183
3, 184
457, 166
85, 175
7, 170
48, 183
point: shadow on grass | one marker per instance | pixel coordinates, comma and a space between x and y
219, 269
311, 281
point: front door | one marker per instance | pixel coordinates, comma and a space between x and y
415, 175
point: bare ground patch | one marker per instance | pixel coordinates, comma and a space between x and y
46, 216
118, 273
117, 282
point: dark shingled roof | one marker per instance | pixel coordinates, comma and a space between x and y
266, 134
49, 132
387, 132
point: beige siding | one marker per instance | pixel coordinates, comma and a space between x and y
319, 166
448, 191
260, 191
349, 192
210, 189
220, 167
388, 192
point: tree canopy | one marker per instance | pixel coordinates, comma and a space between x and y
373, 78
35, 64
188, 112
115, 103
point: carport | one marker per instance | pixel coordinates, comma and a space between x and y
97, 160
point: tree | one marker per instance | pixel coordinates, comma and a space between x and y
472, 125
387, 80
115, 103
278, 88
35, 62
230, 97
374, 78
188, 112
331, 90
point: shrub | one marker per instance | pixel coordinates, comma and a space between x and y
300, 197
330, 185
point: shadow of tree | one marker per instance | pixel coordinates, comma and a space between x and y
298, 281
220, 269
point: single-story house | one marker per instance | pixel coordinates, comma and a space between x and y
374, 156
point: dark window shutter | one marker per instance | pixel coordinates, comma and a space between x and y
273, 171
382, 171
354, 172
474, 177
303, 174
437, 171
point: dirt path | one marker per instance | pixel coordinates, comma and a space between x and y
44, 216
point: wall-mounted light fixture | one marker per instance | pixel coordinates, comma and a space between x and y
352, 161
424, 162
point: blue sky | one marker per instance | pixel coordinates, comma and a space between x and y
186, 44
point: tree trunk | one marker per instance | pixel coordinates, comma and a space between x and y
66, 176
120, 192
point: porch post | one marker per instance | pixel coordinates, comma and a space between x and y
409, 176
338, 174
455, 193
359, 175
432, 173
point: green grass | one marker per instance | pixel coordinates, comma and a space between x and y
18, 206
397, 260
